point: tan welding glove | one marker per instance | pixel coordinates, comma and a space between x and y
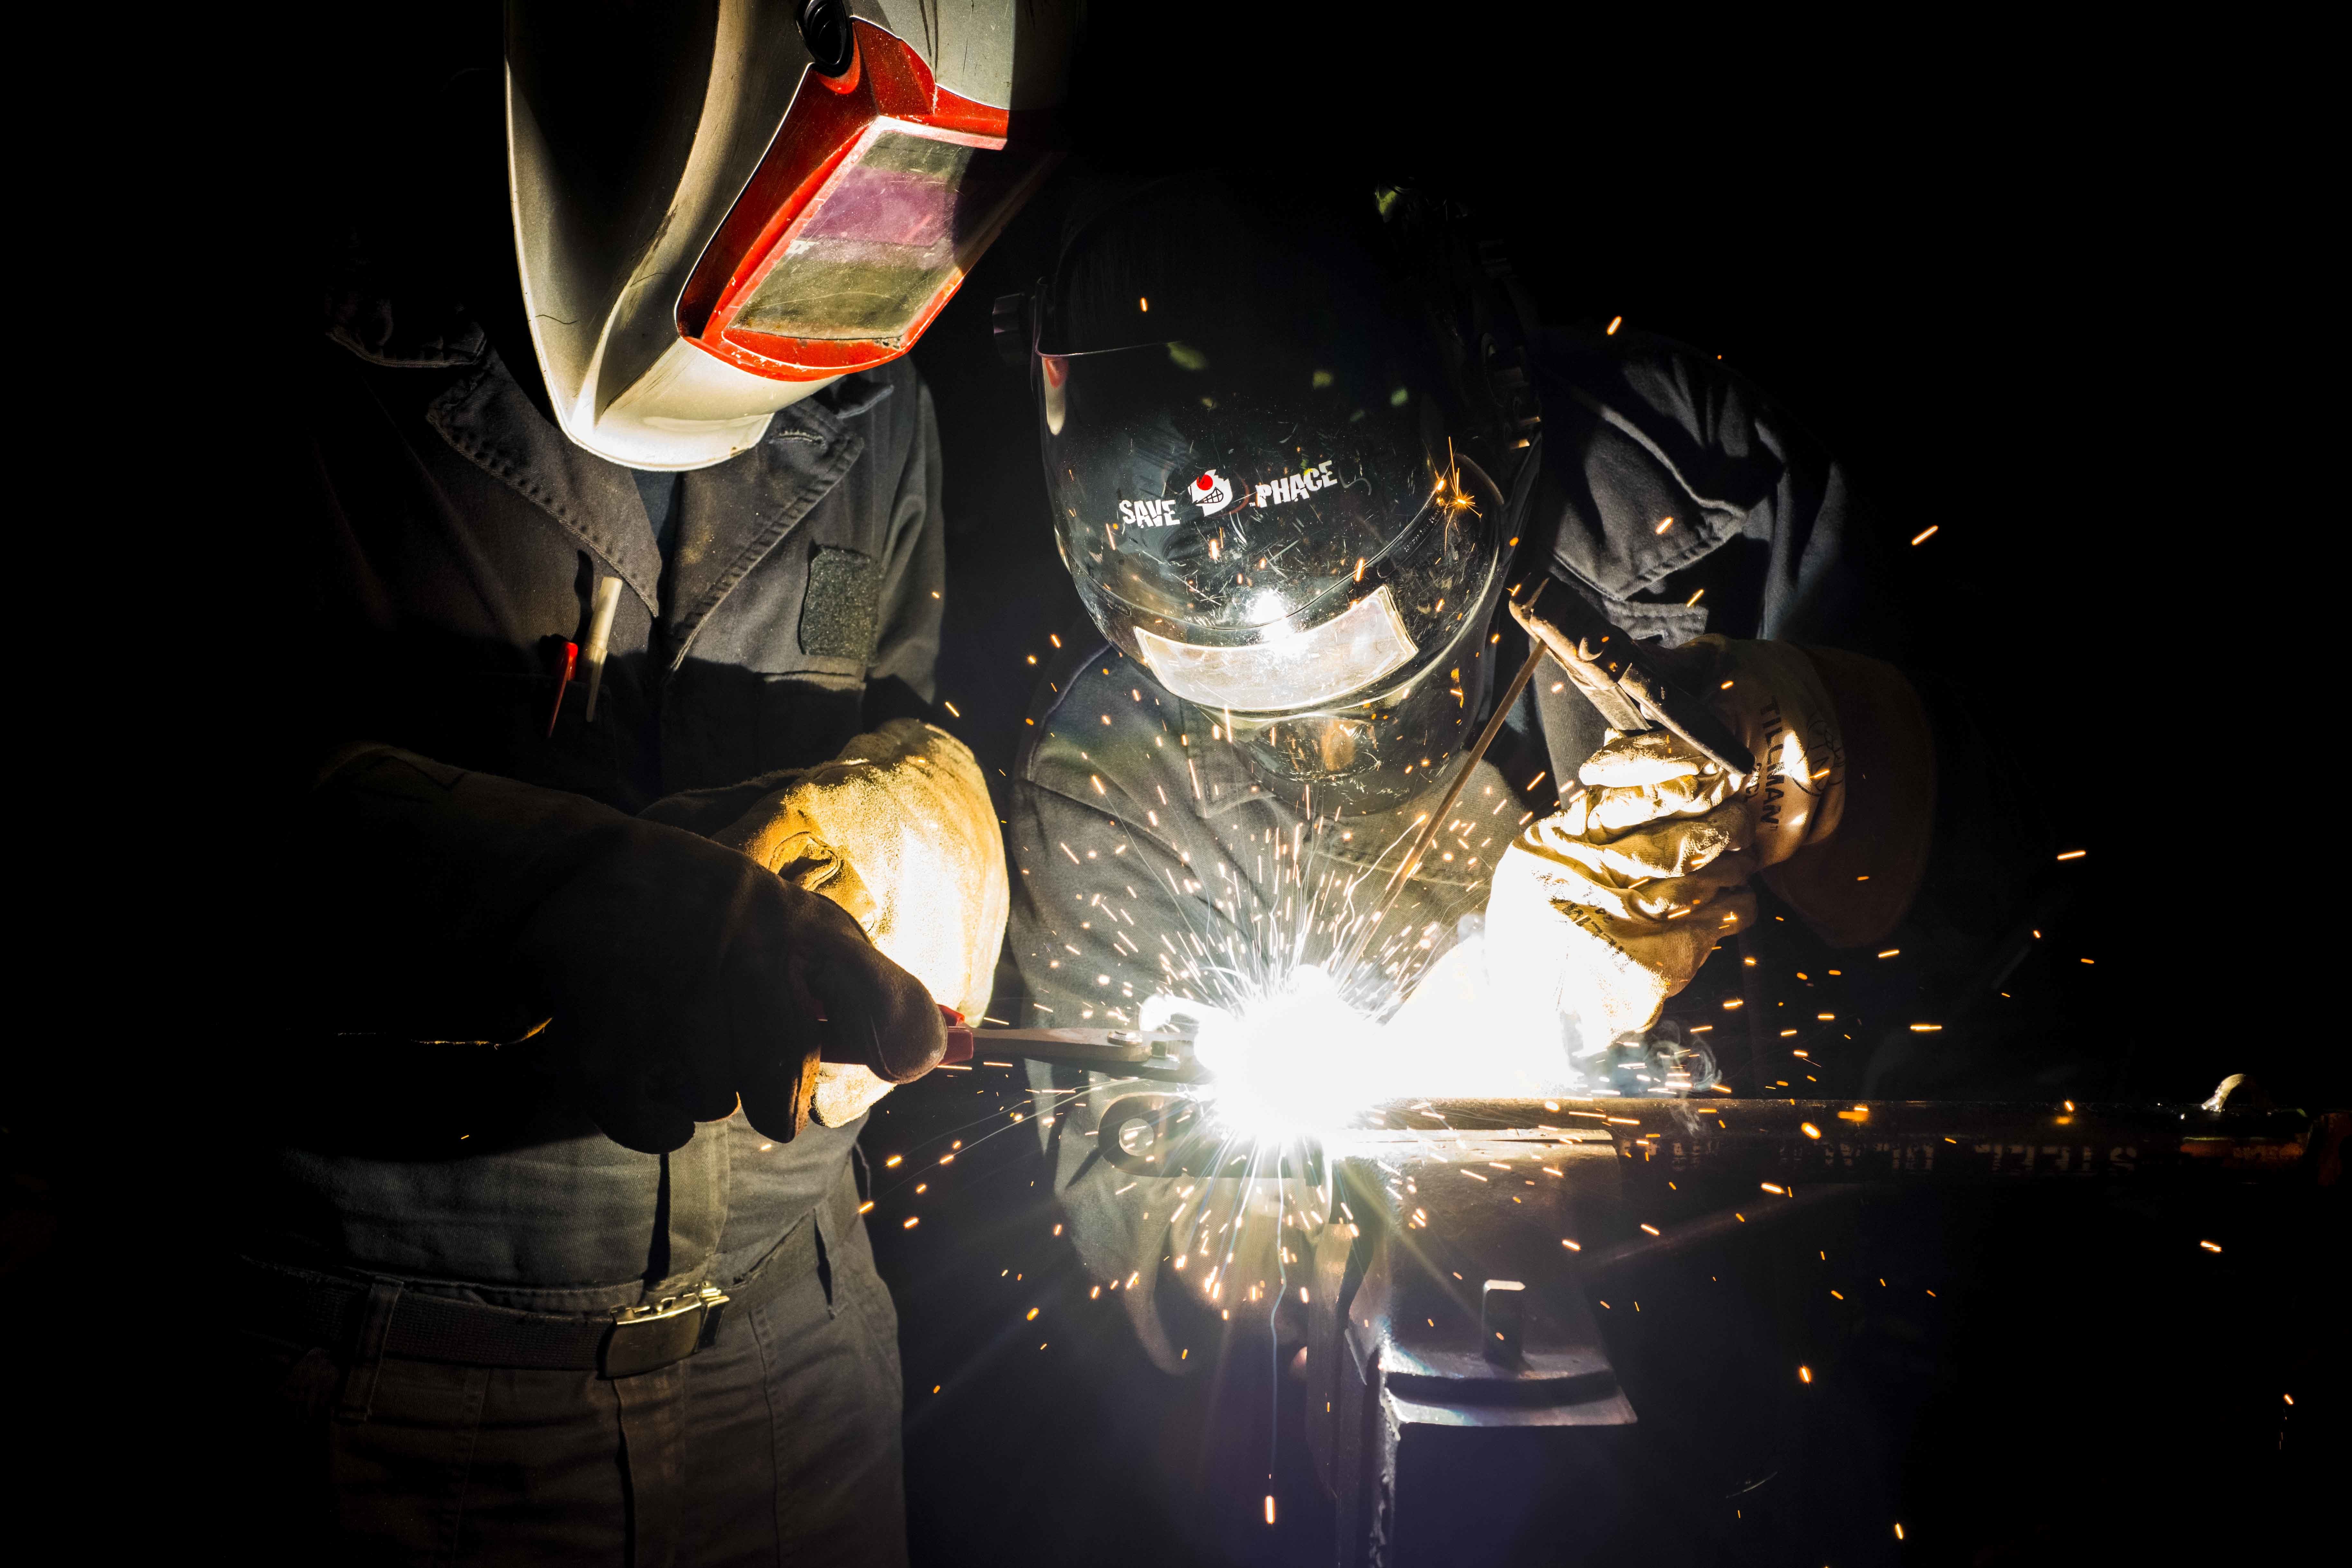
899, 832
1609, 907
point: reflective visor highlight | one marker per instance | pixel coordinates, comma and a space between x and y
1300, 669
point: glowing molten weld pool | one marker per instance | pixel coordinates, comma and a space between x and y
1295, 1061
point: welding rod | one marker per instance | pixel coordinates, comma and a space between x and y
1453, 793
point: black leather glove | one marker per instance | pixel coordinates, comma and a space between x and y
442, 905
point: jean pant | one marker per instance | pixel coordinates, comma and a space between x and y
777, 1445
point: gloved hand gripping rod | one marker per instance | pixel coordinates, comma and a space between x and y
1610, 668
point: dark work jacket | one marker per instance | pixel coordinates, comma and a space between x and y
1139, 843
458, 536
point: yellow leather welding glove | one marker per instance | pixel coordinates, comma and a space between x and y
899, 832
1609, 907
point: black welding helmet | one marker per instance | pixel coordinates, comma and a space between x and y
1262, 487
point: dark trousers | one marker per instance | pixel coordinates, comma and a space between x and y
780, 1444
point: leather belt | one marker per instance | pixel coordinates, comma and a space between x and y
331, 1310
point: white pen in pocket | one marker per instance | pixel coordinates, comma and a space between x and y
600, 637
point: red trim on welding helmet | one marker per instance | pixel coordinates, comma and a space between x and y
837, 190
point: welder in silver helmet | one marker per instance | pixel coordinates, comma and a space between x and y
1299, 451
626, 862
1260, 503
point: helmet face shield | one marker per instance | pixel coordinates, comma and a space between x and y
1377, 752
1289, 544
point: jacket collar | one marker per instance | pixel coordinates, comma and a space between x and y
734, 513
487, 417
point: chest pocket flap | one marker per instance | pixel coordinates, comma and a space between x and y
838, 613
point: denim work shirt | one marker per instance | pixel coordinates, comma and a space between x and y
459, 538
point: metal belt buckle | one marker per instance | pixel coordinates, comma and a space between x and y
659, 1333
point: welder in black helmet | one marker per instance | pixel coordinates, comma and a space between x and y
621, 866
1299, 456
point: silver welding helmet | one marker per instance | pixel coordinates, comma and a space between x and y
721, 206
1267, 509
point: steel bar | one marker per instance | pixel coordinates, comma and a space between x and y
1791, 1141
1164, 1055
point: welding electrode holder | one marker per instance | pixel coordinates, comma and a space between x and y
842, 1051
1617, 675
1181, 1144
1165, 1055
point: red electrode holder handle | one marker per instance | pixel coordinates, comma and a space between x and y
959, 1035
